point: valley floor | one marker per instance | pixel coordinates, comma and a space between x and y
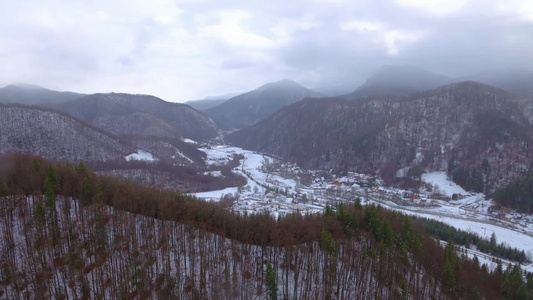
278, 188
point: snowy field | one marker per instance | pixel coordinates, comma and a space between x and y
250, 167
220, 155
440, 181
215, 195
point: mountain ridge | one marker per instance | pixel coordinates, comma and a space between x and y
28, 94
126, 114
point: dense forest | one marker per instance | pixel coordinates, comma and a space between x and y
446, 232
518, 194
470, 180
67, 233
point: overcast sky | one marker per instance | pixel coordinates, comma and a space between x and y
183, 50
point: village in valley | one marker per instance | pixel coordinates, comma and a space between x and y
281, 187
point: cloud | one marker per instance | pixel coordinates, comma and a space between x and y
181, 50
361, 26
391, 39
231, 30
435, 7
521, 8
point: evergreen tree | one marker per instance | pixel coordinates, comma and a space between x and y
50, 184
327, 243
493, 242
522, 293
358, 203
475, 261
451, 266
81, 168
3, 188
271, 282
39, 218
499, 267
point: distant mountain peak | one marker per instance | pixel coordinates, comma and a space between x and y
287, 82
398, 80
30, 94
284, 83
27, 86
248, 108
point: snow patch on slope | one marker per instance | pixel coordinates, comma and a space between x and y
183, 156
141, 155
189, 141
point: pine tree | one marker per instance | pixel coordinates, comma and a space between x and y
358, 203
493, 242
50, 198
522, 293
475, 262
81, 168
39, 218
451, 266
271, 282
404, 289
449, 275
499, 267
327, 244
3, 188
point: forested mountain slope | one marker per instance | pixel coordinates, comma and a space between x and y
479, 134
125, 114
56, 136
173, 163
